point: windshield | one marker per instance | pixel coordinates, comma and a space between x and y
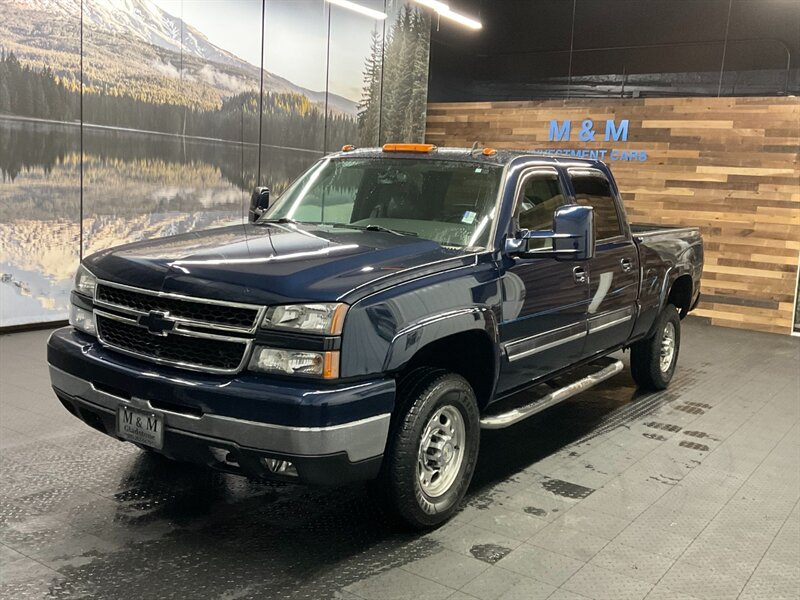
450, 202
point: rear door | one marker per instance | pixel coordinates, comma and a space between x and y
544, 300
614, 270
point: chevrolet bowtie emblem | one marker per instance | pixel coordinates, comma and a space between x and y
157, 322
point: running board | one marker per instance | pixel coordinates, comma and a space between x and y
511, 417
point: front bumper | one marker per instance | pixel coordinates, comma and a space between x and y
330, 447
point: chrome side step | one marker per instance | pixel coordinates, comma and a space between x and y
511, 417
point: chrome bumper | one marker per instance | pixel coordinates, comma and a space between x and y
360, 440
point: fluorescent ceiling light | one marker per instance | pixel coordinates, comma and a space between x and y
443, 10
463, 19
375, 14
435, 5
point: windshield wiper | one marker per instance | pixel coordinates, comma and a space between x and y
282, 220
372, 227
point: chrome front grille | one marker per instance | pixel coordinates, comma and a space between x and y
181, 331
214, 355
204, 312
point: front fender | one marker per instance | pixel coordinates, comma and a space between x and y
383, 331
412, 338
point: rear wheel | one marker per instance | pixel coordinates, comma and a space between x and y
433, 447
653, 360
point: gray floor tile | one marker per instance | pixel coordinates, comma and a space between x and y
528, 589
774, 580
656, 540
449, 568
703, 582
569, 542
602, 584
517, 525
461, 596
661, 592
398, 584
493, 583
471, 541
593, 522
562, 594
632, 562
541, 564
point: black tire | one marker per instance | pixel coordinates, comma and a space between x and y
646, 365
421, 395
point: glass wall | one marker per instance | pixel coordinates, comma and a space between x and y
128, 121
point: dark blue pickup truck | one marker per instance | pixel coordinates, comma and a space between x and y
369, 322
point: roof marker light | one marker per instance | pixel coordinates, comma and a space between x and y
348, 148
422, 148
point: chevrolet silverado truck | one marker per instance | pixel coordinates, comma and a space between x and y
368, 323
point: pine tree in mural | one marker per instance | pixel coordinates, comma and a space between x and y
414, 126
396, 82
369, 110
406, 77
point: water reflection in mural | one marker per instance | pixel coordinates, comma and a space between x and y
141, 186
171, 96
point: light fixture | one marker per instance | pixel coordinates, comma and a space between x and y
443, 10
434, 4
375, 14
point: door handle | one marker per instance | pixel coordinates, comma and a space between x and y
627, 265
580, 274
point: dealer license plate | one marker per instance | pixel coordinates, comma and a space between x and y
142, 427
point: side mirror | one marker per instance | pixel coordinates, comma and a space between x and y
259, 202
572, 236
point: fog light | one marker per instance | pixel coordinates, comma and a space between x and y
280, 467
82, 319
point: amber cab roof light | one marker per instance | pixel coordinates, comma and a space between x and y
422, 148
348, 148
489, 152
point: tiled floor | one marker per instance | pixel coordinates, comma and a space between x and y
686, 494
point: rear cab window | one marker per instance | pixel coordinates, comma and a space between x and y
594, 190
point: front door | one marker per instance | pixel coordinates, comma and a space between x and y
614, 270
544, 299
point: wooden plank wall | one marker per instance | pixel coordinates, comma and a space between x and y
728, 165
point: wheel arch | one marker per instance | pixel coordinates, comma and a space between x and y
680, 294
463, 342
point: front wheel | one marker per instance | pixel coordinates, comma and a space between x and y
653, 360
433, 447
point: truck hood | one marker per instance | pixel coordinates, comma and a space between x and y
269, 264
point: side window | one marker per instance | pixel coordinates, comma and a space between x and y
596, 192
540, 197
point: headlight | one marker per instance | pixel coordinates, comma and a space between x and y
82, 319
325, 318
295, 362
85, 282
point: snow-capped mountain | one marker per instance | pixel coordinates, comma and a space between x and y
120, 31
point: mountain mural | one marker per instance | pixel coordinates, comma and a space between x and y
135, 48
